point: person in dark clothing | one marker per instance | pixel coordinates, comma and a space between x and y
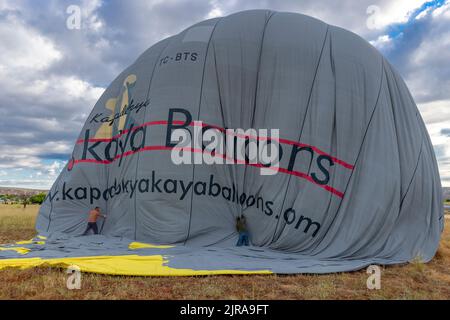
241, 228
92, 221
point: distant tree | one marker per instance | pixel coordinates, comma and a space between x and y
37, 198
25, 202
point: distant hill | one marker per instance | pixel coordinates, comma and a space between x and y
20, 191
30, 192
446, 192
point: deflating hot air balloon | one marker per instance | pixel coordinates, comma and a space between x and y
173, 153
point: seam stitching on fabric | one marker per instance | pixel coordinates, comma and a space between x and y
303, 124
361, 146
145, 109
198, 117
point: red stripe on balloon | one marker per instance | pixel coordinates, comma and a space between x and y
258, 165
178, 122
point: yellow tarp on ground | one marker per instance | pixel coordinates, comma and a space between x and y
30, 242
142, 245
132, 265
121, 264
16, 249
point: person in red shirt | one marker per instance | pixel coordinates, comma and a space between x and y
92, 220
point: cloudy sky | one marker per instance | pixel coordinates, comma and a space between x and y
51, 75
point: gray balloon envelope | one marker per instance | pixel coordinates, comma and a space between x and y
357, 180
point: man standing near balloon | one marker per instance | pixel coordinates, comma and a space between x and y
241, 227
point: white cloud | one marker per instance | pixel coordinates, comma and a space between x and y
57, 89
435, 112
427, 49
33, 172
7, 5
443, 11
90, 18
436, 116
24, 48
17, 164
215, 11
399, 11
54, 169
382, 41
24, 59
427, 63
424, 13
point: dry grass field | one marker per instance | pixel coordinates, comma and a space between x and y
412, 281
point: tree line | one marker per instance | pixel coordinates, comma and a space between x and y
23, 199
